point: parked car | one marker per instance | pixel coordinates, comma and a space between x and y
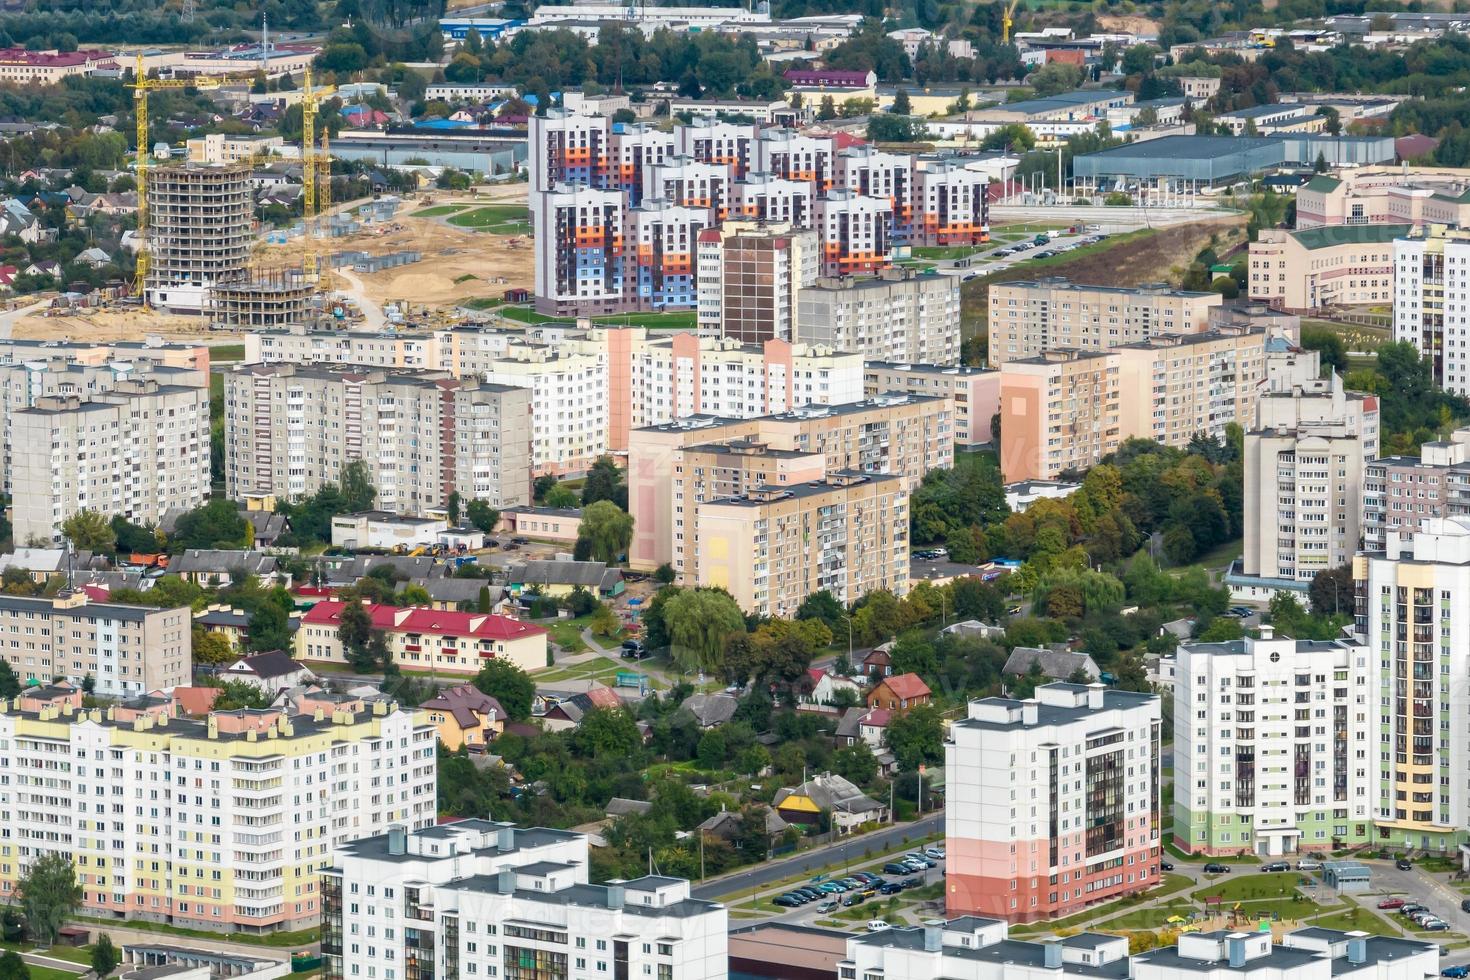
786, 901
855, 898
1276, 866
1309, 865
877, 925
1455, 972
1217, 869
913, 883
1394, 903
1166, 866
890, 888
865, 877
1411, 907
934, 853
921, 859
1465, 905
828, 888
1404, 864
1436, 925
810, 894
895, 868
827, 906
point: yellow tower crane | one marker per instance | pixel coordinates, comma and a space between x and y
1007, 21
141, 86
314, 163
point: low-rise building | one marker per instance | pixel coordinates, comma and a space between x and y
384, 529
1069, 846
427, 639
1336, 265
1393, 195
514, 902
465, 715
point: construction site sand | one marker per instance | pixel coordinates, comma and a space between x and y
115, 325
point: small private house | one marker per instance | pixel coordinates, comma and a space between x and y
847, 806
465, 715
900, 692
1056, 663
271, 672
569, 713
826, 687
559, 578
542, 523
213, 567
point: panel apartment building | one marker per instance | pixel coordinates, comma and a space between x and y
1028, 318
1413, 615
221, 824
1401, 491
1053, 802
1431, 300
975, 391
898, 435
1275, 746
897, 315
137, 450
290, 429
475, 898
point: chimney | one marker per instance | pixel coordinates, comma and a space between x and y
1268, 632
1357, 949
505, 839
1236, 947
397, 840
614, 896
506, 881
1028, 711
1095, 692
1053, 954
933, 935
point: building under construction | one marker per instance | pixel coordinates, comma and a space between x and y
267, 300
200, 231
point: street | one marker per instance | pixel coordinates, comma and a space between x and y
856, 851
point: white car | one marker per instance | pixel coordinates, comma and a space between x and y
877, 925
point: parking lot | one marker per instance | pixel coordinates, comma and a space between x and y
874, 902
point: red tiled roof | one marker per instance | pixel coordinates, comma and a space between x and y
802, 76
844, 140
877, 718
418, 619
196, 700
907, 686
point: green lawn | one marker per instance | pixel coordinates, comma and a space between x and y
227, 352
1232, 888
1172, 883
482, 303
1357, 919
499, 218
439, 210
673, 320
567, 634
81, 956
49, 973
945, 251
281, 940
1154, 917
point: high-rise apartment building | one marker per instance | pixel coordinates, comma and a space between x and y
791, 155
200, 231
689, 183
975, 392
775, 545
422, 435
1275, 745
1413, 616
749, 279
137, 450
899, 315
854, 231
475, 898
1052, 803
771, 200
870, 172
661, 240
126, 650
568, 385
1030, 317
221, 824
1059, 412
711, 140
1177, 385
1431, 300
1401, 491
1304, 479
951, 204
566, 148
633, 151
580, 255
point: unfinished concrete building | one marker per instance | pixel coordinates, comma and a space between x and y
264, 302
200, 229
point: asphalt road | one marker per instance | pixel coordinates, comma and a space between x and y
1424, 888
862, 849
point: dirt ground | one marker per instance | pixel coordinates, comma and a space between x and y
112, 325
1128, 24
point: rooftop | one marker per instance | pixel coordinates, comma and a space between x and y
1330, 235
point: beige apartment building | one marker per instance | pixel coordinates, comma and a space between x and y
126, 650
1058, 412
138, 450
1385, 195
1172, 387
895, 434
975, 391
774, 546
897, 315
422, 435
1032, 316
1336, 265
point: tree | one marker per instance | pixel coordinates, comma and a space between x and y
606, 733
354, 629
827, 109
49, 895
561, 498
912, 654
916, 737
1321, 165
1054, 78
697, 621
12, 967
605, 482
104, 956
217, 524
710, 754
241, 694
901, 106
209, 647
1331, 591
269, 629
18, 581
358, 492
87, 530
608, 530
134, 538
604, 621
482, 515
9, 682
508, 684
664, 574
825, 606
451, 508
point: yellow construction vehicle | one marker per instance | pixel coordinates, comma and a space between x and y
141, 86
1007, 21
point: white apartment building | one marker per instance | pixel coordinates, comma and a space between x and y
1431, 301
222, 823
568, 383
763, 198
1272, 748
788, 154
137, 450
899, 315
1413, 616
126, 650
712, 140
479, 899
579, 253
1304, 466
974, 948
687, 182
855, 231
1052, 803
422, 435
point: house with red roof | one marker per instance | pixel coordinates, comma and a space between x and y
832, 79
900, 693
825, 686
421, 638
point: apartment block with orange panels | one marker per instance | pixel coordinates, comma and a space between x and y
580, 253
633, 151
684, 180
770, 200
871, 172
952, 205
710, 140
854, 233
663, 238
566, 148
787, 153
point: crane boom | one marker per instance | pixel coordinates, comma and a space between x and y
1008, 19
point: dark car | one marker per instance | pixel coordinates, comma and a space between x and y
1404, 864
1465, 905
1217, 869
913, 883
856, 898
810, 894
786, 901
1166, 865
890, 888
1277, 866
520, 540
894, 868
1438, 925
